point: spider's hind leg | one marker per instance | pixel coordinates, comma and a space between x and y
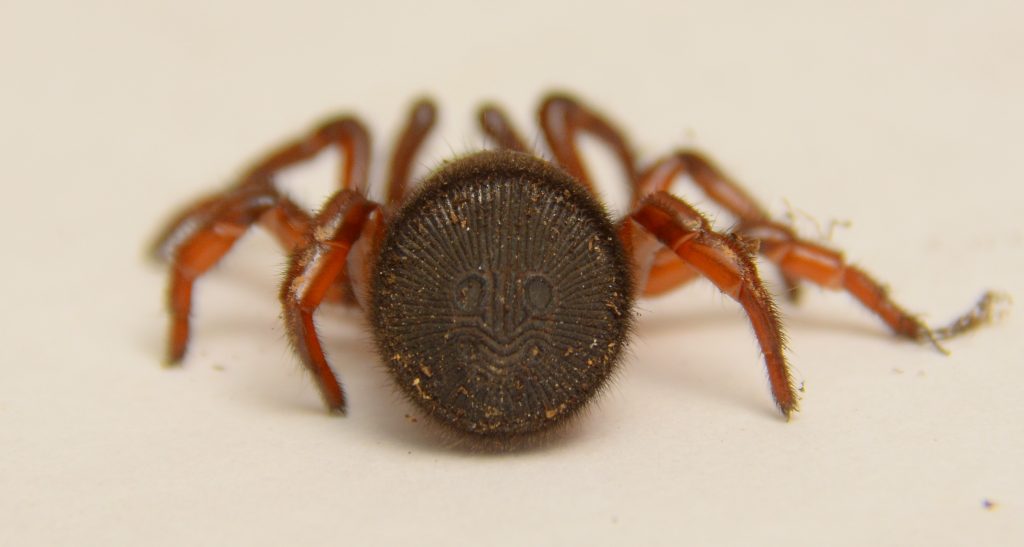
198, 237
717, 186
314, 269
663, 221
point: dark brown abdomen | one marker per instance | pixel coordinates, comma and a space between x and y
501, 298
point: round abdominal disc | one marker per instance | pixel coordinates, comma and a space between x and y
502, 296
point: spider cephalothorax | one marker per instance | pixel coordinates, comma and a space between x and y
500, 293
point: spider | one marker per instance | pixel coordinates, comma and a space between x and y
500, 292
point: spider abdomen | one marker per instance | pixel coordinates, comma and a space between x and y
501, 298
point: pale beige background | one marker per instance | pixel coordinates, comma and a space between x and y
903, 117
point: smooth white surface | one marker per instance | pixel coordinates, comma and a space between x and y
904, 119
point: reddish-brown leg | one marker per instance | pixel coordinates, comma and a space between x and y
184, 224
803, 260
289, 222
204, 246
202, 234
719, 187
497, 126
724, 260
314, 268
421, 120
715, 184
667, 272
562, 118
347, 133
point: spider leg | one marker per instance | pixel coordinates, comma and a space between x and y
289, 222
206, 243
347, 133
199, 236
562, 117
666, 272
313, 270
719, 187
183, 225
421, 119
726, 261
803, 260
497, 126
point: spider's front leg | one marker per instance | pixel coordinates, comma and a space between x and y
497, 126
562, 118
664, 221
421, 119
314, 269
